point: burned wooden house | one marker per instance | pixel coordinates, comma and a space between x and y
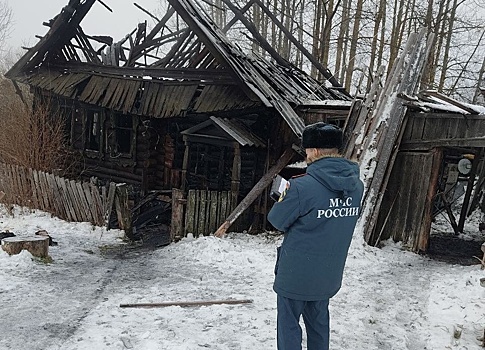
178, 111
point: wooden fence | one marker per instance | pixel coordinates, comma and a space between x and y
67, 199
206, 210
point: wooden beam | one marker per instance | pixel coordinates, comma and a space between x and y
256, 191
262, 41
185, 73
106, 6
325, 71
405, 78
59, 34
235, 19
429, 144
469, 189
187, 303
449, 100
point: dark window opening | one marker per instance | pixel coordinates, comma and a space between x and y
123, 125
92, 130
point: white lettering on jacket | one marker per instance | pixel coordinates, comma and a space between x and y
338, 208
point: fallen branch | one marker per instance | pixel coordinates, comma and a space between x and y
186, 303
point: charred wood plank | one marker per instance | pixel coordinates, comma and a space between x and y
187, 303
58, 35
186, 35
262, 41
185, 73
387, 147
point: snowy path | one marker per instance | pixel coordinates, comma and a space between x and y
391, 299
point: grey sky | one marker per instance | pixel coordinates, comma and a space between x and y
30, 14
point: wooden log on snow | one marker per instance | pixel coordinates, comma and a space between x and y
187, 303
37, 245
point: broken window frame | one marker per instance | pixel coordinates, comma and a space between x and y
116, 129
93, 130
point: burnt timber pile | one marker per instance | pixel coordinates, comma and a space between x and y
176, 111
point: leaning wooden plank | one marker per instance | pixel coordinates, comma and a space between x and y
66, 199
38, 192
76, 201
256, 191
387, 149
188, 303
99, 203
84, 204
91, 204
109, 204
51, 191
62, 197
46, 191
33, 185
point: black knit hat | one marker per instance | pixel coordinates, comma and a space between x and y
322, 135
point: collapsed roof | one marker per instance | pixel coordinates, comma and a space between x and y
172, 70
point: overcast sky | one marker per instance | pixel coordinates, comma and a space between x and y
29, 15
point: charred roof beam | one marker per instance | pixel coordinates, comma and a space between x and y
265, 45
216, 76
57, 37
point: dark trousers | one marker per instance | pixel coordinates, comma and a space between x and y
316, 318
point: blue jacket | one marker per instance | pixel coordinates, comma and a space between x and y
317, 212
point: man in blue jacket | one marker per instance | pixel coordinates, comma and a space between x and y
317, 212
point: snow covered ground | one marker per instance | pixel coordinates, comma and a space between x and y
391, 299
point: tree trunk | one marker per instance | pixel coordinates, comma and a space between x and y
446, 52
316, 35
380, 15
37, 245
343, 33
353, 45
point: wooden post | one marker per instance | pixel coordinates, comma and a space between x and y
236, 175
185, 166
177, 225
37, 245
469, 189
109, 204
123, 211
255, 191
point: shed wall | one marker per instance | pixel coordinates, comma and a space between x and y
406, 208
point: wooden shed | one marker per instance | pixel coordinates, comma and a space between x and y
178, 108
419, 152
442, 145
